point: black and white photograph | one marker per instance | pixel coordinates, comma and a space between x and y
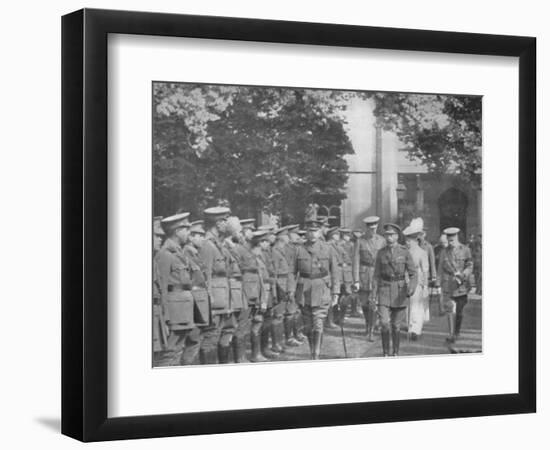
293, 224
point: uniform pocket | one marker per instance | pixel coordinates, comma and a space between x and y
251, 286
202, 308
236, 294
179, 305
320, 293
219, 288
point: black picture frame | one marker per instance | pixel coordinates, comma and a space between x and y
84, 224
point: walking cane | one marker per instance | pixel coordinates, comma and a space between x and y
343, 339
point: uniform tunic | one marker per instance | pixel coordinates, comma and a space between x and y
248, 264
317, 275
174, 271
198, 286
234, 274
364, 259
428, 248
216, 259
345, 271
392, 267
455, 268
160, 333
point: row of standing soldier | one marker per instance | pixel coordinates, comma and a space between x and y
216, 288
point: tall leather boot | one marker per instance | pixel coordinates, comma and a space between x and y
396, 334
208, 356
256, 349
317, 336
223, 354
329, 321
239, 349
369, 319
264, 345
451, 322
310, 343
458, 324
277, 337
385, 334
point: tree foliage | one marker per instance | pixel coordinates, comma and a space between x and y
257, 149
441, 131
278, 149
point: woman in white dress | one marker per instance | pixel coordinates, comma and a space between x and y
418, 301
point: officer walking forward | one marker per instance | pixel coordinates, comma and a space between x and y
366, 250
455, 268
317, 285
393, 264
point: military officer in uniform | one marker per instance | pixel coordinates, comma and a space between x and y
349, 247
344, 272
323, 236
239, 305
160, 332
295, 241
283, 263
199, 291
174, 270
252, 286
454, 270
262, 240
366, 248
392, 288
216, 260
317, 285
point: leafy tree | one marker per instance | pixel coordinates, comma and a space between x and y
269, 149
441, 131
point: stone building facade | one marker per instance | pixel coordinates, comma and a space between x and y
384, 182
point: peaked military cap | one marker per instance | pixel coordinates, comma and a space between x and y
197, 227
171, 223
266, 227
451, 231
157, 229
217, 212
248, 223
313, 224
332, 230
371, 220
345, 230
391, 228
323, 220
301, 232
259, 235
293, 227
282, 230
